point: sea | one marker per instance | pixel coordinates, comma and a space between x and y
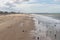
53, 15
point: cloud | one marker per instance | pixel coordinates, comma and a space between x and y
39, 8
56, 0
24, 6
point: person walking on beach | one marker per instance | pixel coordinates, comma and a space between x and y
55, 36
37, 38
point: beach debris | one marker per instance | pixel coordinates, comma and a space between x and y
37, 38
23, 31
55, 25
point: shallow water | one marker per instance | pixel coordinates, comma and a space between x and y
55, 16
46, 27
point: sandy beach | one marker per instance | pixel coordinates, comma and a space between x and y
16, 27
29, 27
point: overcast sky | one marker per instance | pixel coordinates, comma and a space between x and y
31, 6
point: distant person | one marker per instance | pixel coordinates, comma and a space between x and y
55, 36
37, 38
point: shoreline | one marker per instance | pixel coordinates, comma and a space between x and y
29, 27
46, 25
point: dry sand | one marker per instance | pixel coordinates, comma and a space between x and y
16, 27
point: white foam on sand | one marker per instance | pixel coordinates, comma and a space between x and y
44, 24
47, 21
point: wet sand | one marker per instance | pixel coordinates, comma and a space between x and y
16, 27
